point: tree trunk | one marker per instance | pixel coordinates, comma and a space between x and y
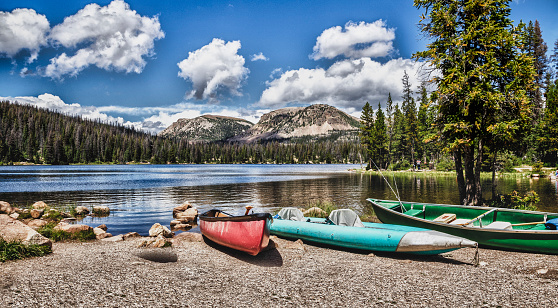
470, 182
459, 172
494, 175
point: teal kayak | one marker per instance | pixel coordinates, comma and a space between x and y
368, 236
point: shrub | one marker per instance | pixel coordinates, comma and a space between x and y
60, 235
515, 201
16, 250
327, 206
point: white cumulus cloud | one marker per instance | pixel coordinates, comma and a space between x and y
259, 57
111, 37
347, 84
214, 69
23, 29
355, 40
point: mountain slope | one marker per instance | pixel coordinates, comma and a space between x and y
314, 121
206, 128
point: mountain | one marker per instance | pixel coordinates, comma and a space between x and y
206, 128
312, 122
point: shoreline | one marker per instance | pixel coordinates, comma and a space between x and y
114, 274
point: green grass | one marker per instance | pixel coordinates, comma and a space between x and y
60, 235
327, 206
16, 250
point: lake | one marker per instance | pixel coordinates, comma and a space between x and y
141, 195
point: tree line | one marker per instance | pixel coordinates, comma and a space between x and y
34, 135
494, 103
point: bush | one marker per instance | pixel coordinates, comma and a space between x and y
16, 250
60, 235
445, 164
517, 202
327, 206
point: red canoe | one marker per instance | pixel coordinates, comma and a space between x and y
248, 233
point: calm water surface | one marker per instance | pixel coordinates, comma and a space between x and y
141, 195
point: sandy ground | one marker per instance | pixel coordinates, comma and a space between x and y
200, 274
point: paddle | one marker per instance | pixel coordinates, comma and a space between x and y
478, 217
529, 223
248, 208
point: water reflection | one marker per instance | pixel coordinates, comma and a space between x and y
139, 196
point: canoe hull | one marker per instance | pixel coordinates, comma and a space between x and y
249, 233
374, 237
538, 241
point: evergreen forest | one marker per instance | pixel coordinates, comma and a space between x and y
32, 135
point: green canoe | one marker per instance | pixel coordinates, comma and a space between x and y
498, 228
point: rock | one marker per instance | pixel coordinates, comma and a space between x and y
14, 230
82, 210
6, 208
182, 227
175, 222
188, 215
161, 242
130, 235
71, 228
186, 237
146, 243
315, 212
103, 235
36, 213
37, 223
14, 215
157, 229
40, 205
98, 231
181, 208
117, 238
101, 210
103, 227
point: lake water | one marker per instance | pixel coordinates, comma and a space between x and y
141, 195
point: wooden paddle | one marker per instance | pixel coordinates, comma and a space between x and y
248, 208
529, 223
478, 217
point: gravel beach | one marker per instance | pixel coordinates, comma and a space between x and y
202, 274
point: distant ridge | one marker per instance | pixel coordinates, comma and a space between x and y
206, 128
314, 121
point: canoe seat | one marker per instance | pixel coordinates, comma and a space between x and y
345, 217
291, 213
500, 225
413, 212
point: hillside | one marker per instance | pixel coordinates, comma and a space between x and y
312, 122
206, 128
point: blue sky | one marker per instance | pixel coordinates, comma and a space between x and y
148, 63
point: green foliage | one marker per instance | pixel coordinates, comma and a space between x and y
537, 168
16, 250
29, 134
445, 164
483, 83
59, 235
515, 201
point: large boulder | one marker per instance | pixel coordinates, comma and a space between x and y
71, 228
157, 229
6, 208
14, 230
40, 205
